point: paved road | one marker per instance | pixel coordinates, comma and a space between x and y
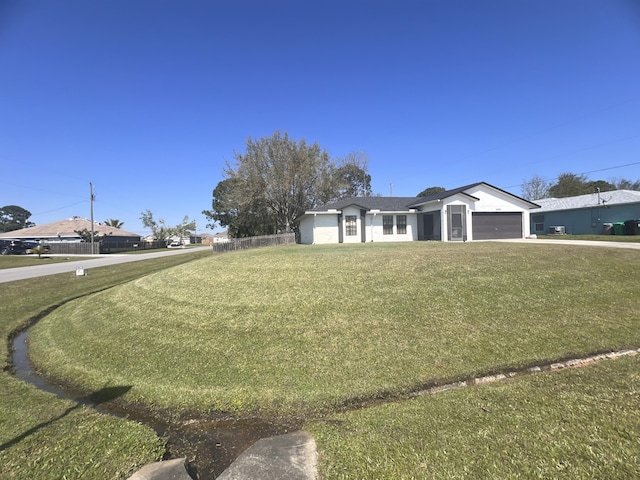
586, 243
21, 273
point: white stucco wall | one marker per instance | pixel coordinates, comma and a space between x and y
319, 228
375, 229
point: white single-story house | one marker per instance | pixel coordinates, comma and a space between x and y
474, 212
594, 213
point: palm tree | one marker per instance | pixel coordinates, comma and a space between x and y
113, 222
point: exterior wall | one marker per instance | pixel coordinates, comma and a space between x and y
496, 201
586, 221
444, 217
357, 238
375, 227
321, 228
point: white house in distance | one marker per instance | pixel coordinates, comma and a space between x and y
474, 212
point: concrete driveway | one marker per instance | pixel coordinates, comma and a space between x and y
584, 243
22, 273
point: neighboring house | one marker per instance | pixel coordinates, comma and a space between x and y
585, 214
64, 231
474, 212
221, 237
207, 239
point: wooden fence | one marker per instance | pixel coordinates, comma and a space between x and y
72, 248
246, 243
84, 248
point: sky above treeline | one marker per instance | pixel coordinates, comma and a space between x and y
148, 99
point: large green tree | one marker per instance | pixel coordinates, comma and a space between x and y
242, 218
13, 217
351, 177
572, 184
430, 191
276, 180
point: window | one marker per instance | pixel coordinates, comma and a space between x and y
387, 224
351, 227
538, 222
401, 221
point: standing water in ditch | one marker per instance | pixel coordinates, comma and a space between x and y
209, 445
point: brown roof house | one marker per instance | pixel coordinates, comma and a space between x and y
66, 231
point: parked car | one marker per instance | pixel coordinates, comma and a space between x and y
30, 245
11, 247
175, 244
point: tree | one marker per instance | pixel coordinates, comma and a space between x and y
13, 217
535, 188
351, 177
113, 222
161, 231
571, 184
241, 218
85, 234
599, 186
568, 185
431, 191
184, 228
625, 184
276, 180
159, 228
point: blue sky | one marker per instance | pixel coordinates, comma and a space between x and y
148, 99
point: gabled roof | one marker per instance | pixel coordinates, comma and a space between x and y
615, 197
395, 204
387, 204
67, 228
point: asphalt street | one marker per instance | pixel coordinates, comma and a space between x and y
22, 273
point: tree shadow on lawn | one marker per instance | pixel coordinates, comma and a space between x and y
106, 394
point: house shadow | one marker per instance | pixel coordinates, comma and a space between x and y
98, 397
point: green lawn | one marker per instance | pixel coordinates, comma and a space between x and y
573, 424
46, 438
311, 331
297, 330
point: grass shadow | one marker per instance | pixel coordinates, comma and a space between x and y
104, 395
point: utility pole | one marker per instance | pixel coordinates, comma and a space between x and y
92, 198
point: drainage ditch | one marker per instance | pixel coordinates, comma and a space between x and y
209, 445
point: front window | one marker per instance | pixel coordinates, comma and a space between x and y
401, 221
538, 223
351, 227
387, 224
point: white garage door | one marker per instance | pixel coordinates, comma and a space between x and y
496, 225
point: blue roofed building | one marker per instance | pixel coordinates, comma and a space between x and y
591, 214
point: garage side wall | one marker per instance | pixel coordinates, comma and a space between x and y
490, 200
319, 229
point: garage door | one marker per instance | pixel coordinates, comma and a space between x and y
494, 225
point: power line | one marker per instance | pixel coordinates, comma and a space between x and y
60, 208
582, 173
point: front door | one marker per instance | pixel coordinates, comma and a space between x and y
457, 224
430, 224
